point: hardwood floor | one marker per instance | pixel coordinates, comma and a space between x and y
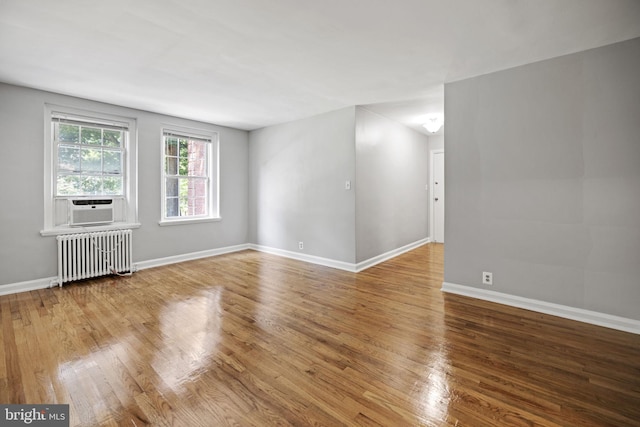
251, 339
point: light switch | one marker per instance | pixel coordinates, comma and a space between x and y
347, 185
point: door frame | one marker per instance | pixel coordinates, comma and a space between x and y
431, 192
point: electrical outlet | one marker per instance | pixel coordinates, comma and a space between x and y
300, 245
487, 278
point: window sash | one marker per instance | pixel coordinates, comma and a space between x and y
183, 204
87, 172
88, 121
186, 135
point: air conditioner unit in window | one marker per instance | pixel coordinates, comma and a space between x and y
90, 212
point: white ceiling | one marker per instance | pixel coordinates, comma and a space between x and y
254, 63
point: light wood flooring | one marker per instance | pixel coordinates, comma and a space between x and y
252, 339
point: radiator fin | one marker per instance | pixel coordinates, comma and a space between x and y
87, 255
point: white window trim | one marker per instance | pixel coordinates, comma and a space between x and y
130, 167
214, 176
194, 220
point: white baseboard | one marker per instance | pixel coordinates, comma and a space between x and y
188, 257
30, 285
579, 314
363, 265
341, 265
47, 282
141, 265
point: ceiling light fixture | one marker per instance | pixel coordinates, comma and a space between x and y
434, 123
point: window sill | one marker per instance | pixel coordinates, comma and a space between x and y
85, 229
167, 222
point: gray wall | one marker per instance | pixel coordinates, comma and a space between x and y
436, 142
297, 185
392, 170
543, 180
25, 255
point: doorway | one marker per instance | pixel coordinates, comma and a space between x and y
437, 196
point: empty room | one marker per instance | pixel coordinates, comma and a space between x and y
320, 213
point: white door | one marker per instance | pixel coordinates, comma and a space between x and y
438, 197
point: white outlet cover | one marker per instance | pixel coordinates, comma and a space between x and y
487, 278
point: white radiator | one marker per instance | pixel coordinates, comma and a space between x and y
86, 255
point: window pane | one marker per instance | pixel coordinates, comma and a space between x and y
184, 196
91, 136
171, 187
197, 168
184, 147
68, 185
184, 157
91, 160
112, 161
197, 158
171, 207
91, 185
198, 188
112, 138
68, 133
112, 186
184, 166
69, 159
171, 165
198, 206
171, 146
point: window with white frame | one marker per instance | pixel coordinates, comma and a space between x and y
190, 181
88, 155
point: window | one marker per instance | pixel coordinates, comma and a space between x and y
190, 184
88, 155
